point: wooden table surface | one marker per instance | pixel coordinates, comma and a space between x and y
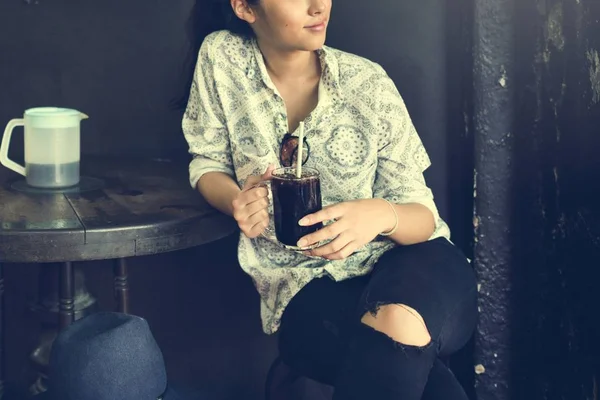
143, 207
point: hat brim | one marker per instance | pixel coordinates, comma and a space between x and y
172, 393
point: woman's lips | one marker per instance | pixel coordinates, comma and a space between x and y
317, 28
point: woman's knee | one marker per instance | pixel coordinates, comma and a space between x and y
401, 323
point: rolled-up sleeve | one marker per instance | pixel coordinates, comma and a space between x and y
204, 122
402, 158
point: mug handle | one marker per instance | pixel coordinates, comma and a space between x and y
4, 160
268, 233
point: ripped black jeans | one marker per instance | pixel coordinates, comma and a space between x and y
322, 336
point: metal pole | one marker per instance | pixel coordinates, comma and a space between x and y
493, 55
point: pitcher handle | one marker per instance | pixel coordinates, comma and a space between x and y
4, 160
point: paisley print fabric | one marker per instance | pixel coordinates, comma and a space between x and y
361, 138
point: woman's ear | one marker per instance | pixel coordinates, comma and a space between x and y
242, 9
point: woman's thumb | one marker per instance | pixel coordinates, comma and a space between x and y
268, 173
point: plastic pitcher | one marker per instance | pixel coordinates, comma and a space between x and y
52, 147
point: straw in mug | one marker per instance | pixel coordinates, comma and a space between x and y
300, 156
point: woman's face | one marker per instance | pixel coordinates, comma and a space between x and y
287, 25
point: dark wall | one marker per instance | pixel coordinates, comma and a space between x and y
408, 39
557, 138
118, 62
537, 110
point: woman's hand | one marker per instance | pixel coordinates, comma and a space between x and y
250, 207
356, 223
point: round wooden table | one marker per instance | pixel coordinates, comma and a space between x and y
123, 207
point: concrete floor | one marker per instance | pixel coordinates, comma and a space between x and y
202, 308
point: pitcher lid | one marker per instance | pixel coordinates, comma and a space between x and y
53, 117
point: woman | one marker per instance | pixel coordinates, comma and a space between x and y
372, 311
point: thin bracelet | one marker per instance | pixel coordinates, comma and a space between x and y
395, 225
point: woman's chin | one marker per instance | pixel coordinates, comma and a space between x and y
314, 44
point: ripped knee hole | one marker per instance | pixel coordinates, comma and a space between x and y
401, 323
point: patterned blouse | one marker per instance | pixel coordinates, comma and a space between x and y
361, 140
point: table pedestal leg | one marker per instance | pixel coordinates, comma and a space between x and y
121, 286
63, 297
66, 289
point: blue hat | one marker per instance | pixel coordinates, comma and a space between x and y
107, 356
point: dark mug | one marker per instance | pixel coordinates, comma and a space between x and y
293, 198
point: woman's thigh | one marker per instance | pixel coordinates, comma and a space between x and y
435, 279
316, 324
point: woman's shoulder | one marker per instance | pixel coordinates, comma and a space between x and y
226, 49
223, 38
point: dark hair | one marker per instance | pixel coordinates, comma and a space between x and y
206, 17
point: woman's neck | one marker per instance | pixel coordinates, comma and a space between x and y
290, 65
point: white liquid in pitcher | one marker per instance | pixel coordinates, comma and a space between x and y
52, 157
52, 175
